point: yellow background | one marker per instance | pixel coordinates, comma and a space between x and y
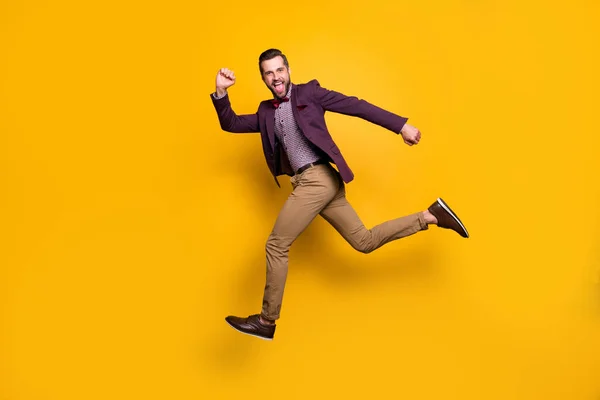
132, 225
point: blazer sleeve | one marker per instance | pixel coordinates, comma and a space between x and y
340, 103
230, 121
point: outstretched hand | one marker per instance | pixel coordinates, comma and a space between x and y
410, 134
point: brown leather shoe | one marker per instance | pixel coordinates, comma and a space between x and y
446, 218
252, 326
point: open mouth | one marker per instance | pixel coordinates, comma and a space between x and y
278, 86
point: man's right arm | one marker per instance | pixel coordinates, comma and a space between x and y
228, 119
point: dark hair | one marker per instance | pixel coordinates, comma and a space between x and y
269, 54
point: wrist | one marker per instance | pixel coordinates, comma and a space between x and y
221, 92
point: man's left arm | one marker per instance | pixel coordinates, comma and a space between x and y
340, 103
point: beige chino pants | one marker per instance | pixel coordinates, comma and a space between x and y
320, 190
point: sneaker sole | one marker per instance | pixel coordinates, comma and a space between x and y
447, 208
249, 334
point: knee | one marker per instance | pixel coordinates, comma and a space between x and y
277, 245
365, 245
364, 249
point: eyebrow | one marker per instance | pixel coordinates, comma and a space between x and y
277, 69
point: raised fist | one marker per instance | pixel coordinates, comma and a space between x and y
225, 79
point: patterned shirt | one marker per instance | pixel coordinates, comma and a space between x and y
300, 151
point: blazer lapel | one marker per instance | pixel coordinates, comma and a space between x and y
298, 102
270, 122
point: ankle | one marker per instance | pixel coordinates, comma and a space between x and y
429, 218
265, 321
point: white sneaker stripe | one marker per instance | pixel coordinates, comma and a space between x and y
246, 333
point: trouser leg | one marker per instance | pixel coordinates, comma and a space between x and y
342, 216
313, 190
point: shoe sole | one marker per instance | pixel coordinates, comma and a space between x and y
249, 334
447, 208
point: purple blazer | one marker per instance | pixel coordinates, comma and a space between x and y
310, 102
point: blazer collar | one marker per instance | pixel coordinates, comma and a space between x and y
297, 100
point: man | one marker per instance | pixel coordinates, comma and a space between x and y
297, 143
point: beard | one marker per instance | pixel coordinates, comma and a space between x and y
286, 88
